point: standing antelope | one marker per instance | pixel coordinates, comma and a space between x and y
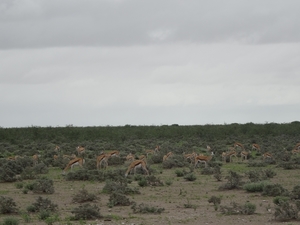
256, 147
137, 164
203, 159
169, 154
103, 158
74, 162
80, 150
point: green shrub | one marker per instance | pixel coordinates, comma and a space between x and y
86, 212
84, 196
7, 205
274, 190
235, 208
115, 186
143, 208
296, 192
190, 177
180, 173
284, 211
255, 186
234, 181
42, 204
279, 199
10, 221
118, 199
43, 185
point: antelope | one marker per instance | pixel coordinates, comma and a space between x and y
237, 144
169, 154
57, 148
35, 159
190, 157
203, 159
244, 155
137, 164
256, 147
267, 155
74, 162
80, 150
130, 157
103, 158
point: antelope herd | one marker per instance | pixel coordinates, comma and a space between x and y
141, 160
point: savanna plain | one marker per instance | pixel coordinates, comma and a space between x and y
221, 189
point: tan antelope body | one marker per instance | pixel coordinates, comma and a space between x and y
137, 164
74, 162
169, 154
202, 159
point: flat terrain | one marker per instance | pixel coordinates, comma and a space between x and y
185, 202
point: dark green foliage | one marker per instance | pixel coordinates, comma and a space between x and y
257, 163
174, 161
148, 181
296, 192
180, 172
234, 181
42, 204
235, 208
216, 201
10, 221
285, 211
217, 173
274, 190
43, 185
84, 196
7, 205
255, 186
119, 199
120, 187
207, 171
40, 168
190, 177
279, 199
144, 208
86, 212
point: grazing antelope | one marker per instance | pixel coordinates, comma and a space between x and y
13, 157
231, 154
142, 157
224, 156
238, 145
103, 158
55, 157
137, 164
169, 154
149, 151
74, 162
297, 146
80, 150
57, 148
244, 155
130, 157
157, 148
73, 156
35, 159
203, 159
295, 151
256, 147
190, 157
267, 155
113, 153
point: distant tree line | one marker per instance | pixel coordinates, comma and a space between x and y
130, 132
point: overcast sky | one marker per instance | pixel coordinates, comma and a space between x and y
158, 62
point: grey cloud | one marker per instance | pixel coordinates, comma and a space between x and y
26, 24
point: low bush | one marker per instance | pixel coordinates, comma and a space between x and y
86, 212
285, 211
274, 190
118, 199
84, 196
255, 186
43, 185
143, 208
190, 177
234, 181
7, 205
10, 221
235, 208
42, 204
